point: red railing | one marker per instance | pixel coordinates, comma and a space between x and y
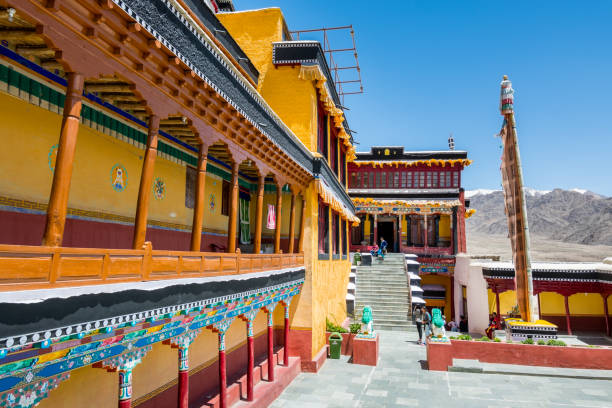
37, 267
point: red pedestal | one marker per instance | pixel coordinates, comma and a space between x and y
251, 364
365, 351
270, 353
222, 380
286, 341
183, 389
127, 403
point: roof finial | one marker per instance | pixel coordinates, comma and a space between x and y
451, 142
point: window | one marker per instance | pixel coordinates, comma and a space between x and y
455, 179
403, 179
333, 155
342, 166
435, 180
335, 233
429, 176
448, 179
323, 228
379, 179
365, 179
344, 233
409, 180
190, 186
442, 179
353, 180
225, 193
396, 180
358, 181
372, 180
421, 179
322, 131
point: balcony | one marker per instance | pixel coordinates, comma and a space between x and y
39, 267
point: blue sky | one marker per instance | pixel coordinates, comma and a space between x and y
431, 68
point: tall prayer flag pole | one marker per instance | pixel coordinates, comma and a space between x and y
516, 208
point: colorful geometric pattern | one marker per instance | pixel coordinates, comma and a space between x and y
122, 342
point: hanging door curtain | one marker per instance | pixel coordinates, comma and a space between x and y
271, 221
245, 224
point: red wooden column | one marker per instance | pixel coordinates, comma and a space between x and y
233, 211
375, 228
221, 328
183, 342
198, 208
567, 315
605, 302
270, 310
292, 222
259, 215
302, 224
286, 333
125, 387
248, 317
279, 205
146, 179
497, 302
60, 189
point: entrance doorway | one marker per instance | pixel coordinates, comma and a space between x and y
385, 230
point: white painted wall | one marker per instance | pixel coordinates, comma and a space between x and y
469, 274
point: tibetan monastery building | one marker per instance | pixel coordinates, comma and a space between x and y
174, 215
414, 200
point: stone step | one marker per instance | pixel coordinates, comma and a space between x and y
382, 284
394, 328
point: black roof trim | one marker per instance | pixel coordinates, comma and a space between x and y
165, 23
307, 52
322, 171
208, 18
418, 196
376, 153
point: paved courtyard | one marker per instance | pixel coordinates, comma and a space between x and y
399, 381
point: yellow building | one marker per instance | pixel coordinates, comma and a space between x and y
189, 192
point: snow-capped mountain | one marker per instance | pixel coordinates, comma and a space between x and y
566, 215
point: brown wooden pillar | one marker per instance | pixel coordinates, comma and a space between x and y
497, 304
198, 209
259, 215
375, 228
146, 179
605, 301
279, 205
426, 243
567, 315
60, 189
302, 224
233, 211
292, 223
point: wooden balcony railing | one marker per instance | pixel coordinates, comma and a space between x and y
38, 267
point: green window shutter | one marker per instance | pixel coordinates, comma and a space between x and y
62, 100
13, 78
35, 88
46, 93
24, 83
4, 73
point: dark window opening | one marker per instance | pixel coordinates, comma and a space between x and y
225, 193
190, 186
323, 228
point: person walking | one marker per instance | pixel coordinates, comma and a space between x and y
427, 322
418, 314
383, 248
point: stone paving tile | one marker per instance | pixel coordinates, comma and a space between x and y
400, 381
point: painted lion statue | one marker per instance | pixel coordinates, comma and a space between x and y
437, 323
367, 323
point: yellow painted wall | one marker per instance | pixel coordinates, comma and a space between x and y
83, 389
444, 226
293, 99
444, 281
553, 303
157, 368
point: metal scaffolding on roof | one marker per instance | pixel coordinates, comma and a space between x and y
342, 74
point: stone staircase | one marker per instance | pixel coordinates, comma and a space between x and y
384, 287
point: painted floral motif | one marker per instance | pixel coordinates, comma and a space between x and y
159, 188
119, 178
211, 203
52, 157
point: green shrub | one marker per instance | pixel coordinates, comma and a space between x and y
355, 328
483, 338
497, 340
509, 340
553, 342
541, 342
464, 337
332, 327
527, 341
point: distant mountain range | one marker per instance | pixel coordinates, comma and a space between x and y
576, 216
